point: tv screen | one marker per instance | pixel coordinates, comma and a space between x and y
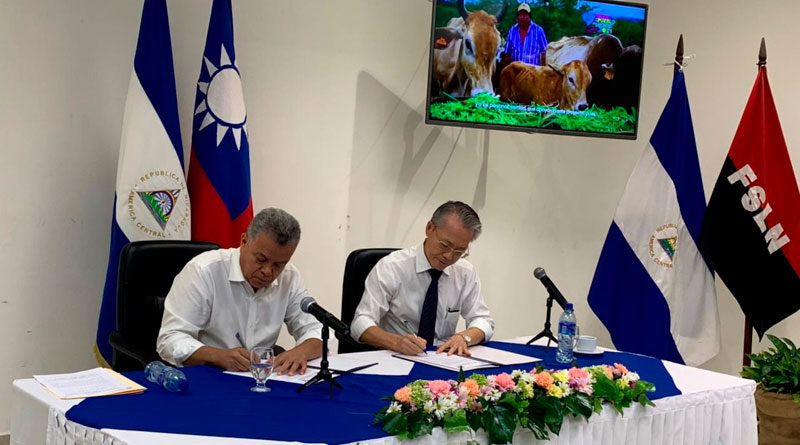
556, 66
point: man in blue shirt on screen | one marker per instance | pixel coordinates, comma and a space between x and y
526, 41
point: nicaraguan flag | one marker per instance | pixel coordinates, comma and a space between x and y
151, 200
219, 166
652, 288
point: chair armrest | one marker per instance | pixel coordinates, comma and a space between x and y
136, 352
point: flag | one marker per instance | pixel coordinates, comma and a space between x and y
652, 288
219, 166
151, 200
752, 229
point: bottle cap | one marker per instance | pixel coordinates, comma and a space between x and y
568, 307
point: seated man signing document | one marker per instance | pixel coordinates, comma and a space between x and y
225, 301
413, 297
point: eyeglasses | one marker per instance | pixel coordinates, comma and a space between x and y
446, 248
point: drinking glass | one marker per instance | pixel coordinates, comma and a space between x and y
261, 359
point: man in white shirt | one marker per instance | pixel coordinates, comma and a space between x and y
227, 301
413, 297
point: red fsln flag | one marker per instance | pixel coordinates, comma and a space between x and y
751, 231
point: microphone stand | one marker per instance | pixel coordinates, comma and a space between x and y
324, 374
546, 332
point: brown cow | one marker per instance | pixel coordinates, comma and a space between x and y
547, 85
476, 40
597, 51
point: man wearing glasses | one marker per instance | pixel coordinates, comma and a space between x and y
413, 297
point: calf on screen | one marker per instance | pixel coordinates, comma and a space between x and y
563, 87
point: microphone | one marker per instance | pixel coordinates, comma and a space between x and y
551, 288
310, 306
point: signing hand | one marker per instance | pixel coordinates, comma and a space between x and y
235, 359
409, 345
455, 345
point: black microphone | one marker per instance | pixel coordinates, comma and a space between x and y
310, 306
551, 288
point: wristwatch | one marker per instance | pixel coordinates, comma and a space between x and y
467, 338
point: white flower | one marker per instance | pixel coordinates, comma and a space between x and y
428, 406
393, 408
516, 373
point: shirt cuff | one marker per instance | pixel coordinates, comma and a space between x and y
484, 326
359, 325
183, 350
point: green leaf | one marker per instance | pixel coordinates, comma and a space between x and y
395, 423
538, 428
457, 421
475, 421
461, 376
499, 423
579, 404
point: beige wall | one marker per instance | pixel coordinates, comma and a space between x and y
335, 93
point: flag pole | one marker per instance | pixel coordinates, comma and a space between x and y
748, 329
679, 54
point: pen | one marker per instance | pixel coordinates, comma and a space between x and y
241, 342
341, 373
411, 332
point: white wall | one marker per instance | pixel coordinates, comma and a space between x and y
335, 93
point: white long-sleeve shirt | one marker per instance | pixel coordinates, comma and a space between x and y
395, 290
210, 302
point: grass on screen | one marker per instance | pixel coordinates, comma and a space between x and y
487, 109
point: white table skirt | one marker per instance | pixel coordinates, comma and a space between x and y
713, 408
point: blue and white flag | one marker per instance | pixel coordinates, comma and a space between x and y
652, 288
151, 200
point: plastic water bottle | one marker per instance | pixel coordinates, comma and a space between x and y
171, 379
567, 328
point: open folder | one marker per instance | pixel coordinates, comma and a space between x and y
482, 357
91, 383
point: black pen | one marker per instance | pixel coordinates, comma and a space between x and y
341, 373
241, 342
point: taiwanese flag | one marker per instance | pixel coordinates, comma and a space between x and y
219, 167
751, 231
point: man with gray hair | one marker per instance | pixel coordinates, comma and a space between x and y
413, 297
227, 301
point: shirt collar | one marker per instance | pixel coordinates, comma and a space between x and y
422, 263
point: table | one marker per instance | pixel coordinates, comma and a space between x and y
713, 408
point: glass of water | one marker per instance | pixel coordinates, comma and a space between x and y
261, 359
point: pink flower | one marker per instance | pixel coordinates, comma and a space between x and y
578, 378
439, 387
504, 381
403, 395
471, 386
621, 368
544, 379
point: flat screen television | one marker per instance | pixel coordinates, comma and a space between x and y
575, 70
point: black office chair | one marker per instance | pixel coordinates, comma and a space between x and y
359, 263
146, 272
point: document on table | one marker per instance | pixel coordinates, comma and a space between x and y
451, 362
500, 357
91, 383
337, 364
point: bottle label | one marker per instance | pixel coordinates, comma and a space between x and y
566, 329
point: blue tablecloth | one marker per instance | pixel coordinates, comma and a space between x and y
219, 404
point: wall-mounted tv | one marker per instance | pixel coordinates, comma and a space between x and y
555, 66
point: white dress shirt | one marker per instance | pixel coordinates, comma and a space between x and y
210, 302
395, 291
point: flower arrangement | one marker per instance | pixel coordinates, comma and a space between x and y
538, 400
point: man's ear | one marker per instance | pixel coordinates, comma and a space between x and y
244, 239
429, 228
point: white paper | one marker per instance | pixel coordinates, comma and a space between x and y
83, 383
339, 363
387, 363
452, 362
499, 356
